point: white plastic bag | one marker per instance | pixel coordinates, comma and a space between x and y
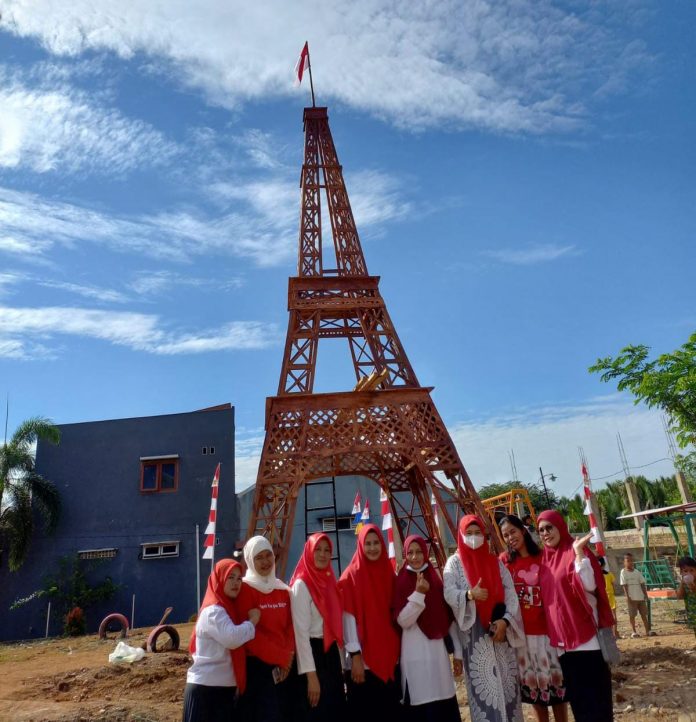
124, 653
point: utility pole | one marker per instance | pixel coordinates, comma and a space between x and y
546, 491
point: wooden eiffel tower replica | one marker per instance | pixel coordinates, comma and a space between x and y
387, 428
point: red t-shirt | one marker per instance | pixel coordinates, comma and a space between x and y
275, 640
525, 575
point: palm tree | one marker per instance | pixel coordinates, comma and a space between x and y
22, 489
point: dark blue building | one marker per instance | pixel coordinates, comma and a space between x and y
322, 519
133, 491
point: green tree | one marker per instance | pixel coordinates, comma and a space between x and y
22, 490
574, 512
69, 588
667, 383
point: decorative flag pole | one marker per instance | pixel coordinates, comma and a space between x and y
596, 534
300, 66
209, 543
357, 513
387, 524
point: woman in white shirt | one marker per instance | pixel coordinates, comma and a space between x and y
219, 666
575, 599
425, 618
317, 617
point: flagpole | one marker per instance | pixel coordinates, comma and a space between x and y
217, 516
311, 83
198, 569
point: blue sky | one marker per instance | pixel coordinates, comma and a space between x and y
521, 173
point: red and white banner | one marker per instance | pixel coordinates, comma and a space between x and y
596, 537
209, 542
302, 64
387, 525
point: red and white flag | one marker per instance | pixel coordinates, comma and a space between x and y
596, 537
302, 64
209, 543
387, 525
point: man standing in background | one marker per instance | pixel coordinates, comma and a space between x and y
633, 584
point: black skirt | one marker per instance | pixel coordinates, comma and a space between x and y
264, 700
332, 695
441, 710
208, 704
374, 700
587, 679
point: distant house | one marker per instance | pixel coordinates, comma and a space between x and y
132, 491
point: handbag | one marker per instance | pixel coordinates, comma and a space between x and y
607, 643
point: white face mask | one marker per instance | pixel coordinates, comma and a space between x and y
473, 541
688, 578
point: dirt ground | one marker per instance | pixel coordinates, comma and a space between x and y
71, 680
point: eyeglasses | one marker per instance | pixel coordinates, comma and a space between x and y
546, 529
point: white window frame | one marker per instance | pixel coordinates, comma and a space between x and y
328, 525
108, 553
160, 553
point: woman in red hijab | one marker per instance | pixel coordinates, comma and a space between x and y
576, 604
480, 591
370, 636
317, 616
427, 684
219, 664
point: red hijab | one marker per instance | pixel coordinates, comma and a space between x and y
434, 621
323, 589
481, 564
215, 594
368, 590
569, 615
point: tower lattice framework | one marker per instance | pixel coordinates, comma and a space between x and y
388, 428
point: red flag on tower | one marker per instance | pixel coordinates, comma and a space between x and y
596, 537
209, 543
302, 63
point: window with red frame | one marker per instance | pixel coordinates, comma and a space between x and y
159, 475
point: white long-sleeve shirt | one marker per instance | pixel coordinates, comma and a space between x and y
425, 663
216, 634
308, 623
584, 570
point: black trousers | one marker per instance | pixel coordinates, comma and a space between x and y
442, 710
208, 704
587, 679
374, 700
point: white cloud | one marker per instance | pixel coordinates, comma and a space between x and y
105, 295
532, 255
512, 65
61, 127
550, 436
546, 436
21, 327
150, 283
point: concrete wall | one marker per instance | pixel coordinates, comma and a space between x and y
96, 469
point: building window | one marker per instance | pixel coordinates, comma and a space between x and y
159, 473
205, 450
158, 550
97, 553
212, 450
344, 523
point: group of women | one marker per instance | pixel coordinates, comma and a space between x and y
374, 644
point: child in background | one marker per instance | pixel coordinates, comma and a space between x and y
609, 581
687, 589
